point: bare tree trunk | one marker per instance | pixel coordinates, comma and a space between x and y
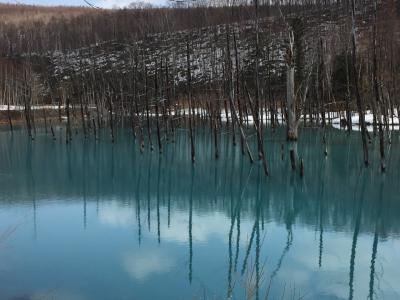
110, 110
261, 153
68, 134
356, 84
82, 116
292, 123
189, 88
8, 110
377, 96
147, 110
45, 119
238, 89
157, 109
348, 96
242, 135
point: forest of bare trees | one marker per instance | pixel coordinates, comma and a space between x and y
238, 66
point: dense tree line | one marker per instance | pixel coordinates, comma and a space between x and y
38, 29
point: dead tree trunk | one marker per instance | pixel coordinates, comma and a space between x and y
189, 93
356, 85
68, 135
82, 115
292, 122
8, 110
257, 126
349, 122
110, 110
377, 96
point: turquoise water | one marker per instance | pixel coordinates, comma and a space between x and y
96, 220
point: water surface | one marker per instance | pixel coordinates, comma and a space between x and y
96, 220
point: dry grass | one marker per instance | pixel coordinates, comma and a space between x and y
17, 13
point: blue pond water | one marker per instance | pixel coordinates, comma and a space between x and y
96, 220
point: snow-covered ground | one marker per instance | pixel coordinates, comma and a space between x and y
394, 123
266, 117
369, 119
33, 107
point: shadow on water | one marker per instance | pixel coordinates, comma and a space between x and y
265, 219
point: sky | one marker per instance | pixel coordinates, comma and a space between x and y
99, 3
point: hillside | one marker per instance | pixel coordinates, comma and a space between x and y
152, 55
18, 14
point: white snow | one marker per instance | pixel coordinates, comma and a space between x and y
33, 107
369, 119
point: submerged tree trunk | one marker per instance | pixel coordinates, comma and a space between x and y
68, 135
9, 114
348, 96
356, 85
292, 123
189, 91
377, 95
